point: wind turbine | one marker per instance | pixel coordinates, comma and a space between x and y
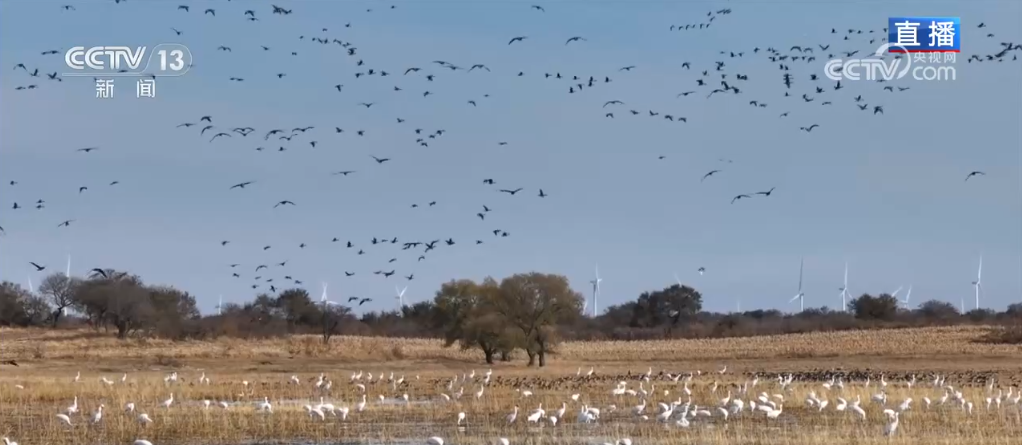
596, 291
895, 293
800, 296
30, 288
908, 297
844, 291
400, 296
977, 284
220, 306
68, 273
323, 299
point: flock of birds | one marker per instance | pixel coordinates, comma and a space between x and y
714, 80
678, 400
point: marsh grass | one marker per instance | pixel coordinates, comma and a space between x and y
28, 415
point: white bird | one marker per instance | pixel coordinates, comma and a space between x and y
64, 418
98, 415
514, 415
461, 418
265, 405
144, 419
435, 441
361, 406
129, 407
891, 426
166, 403
142, 442
8, 442
774, 413
78, 377
503, 441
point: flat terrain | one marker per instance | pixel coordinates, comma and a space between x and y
242, 373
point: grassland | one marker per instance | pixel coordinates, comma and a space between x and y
49, 360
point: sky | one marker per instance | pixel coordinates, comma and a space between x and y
883, 193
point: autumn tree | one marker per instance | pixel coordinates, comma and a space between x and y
534, 304
464, 313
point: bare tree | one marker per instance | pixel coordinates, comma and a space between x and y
59, 290
333, 317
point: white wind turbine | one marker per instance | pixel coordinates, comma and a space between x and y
844, 291
978, 283
800, 296
220, 306
68, 272
30, 287
908, 297
323, 299
596, 291
400, 296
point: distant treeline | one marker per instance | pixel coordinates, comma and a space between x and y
529, 312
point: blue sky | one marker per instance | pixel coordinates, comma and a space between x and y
884, 193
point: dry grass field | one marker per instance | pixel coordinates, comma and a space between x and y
242, 373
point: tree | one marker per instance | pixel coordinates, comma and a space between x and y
298, 308
59, 290
333, 316
464, 313
868, 307
671, 304
18, 307
935, 310
534, 303
117, 298
174, 309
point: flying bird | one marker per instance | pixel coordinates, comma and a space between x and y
766, 193
517, 39
38, 268
975, 173
739, 197
711, 173
511, 192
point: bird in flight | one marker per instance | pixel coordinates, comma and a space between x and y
711, 173
511, 192
379, 160
575, 39
809, 128
517, 39
975, 173
241, 185
739, 197
345, 172
285, 202
38, 268
88, 149
538, 8
66, 223
766, 193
